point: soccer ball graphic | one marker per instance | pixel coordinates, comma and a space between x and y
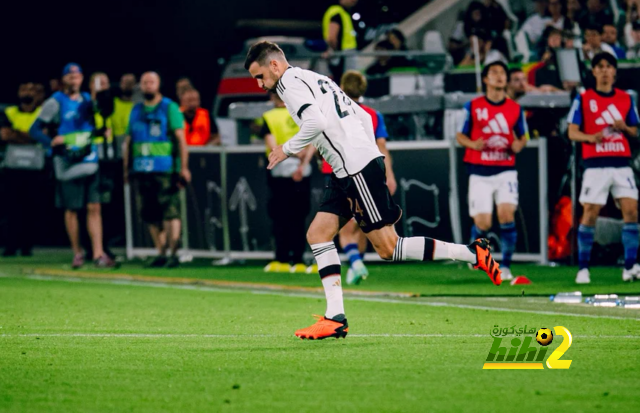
544, 336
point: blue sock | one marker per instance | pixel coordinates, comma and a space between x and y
630, 242
351, 251
508, 237
585, 243
477, 233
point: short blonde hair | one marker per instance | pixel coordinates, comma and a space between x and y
354, 84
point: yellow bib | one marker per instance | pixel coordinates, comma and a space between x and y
21, 121
349, 41
281, 125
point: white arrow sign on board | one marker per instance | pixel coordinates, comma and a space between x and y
241, 198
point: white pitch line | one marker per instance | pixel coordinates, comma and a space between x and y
308, 295
151, 335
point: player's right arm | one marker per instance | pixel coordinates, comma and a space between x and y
575, 124
301, 100
465, 131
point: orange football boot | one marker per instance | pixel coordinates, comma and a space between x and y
484, 260
325, 327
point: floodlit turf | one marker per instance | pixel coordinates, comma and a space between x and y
98, 346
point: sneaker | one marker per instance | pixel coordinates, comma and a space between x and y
636, 271
628, 275
10, 253
276, 266
312, 269
506, 274
157, 262
298, 269
78, 261
357, 272
173, 262
325, 327
583, 276
104, 262
26, 252
484, 260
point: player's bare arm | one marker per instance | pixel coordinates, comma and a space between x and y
518, 144
629, 131
575, 134
466, 142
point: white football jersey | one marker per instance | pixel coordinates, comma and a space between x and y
347, 142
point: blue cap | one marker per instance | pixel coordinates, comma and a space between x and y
71, 68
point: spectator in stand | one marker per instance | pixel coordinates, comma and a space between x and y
383, 63
593, 43
488, 54
610, 37
495, 17
518, 85
632, 28
553, 40
199, 128
397, 39
534, 26
338, 32
182, 85
598, 12
633, 40
459, 40
21, 186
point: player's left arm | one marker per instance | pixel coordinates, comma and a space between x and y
521, 131
629, 126
381, 140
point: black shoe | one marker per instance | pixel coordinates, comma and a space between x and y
26, 252
173, 262
158, 262
10, 253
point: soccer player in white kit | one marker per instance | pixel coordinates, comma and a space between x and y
343, 134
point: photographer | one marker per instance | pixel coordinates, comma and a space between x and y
156, 130
70, 113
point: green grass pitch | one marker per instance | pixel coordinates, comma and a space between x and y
76, 344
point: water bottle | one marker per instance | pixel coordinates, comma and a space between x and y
630, 302
603, 300
567, 298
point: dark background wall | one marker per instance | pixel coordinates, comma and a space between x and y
174, 37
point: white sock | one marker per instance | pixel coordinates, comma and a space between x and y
448, 251
329, 268
428, 249
333, 291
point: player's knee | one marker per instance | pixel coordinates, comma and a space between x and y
316, 236
630, 214
386, 253
93, 208
590, 214
506, 216
483, 223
